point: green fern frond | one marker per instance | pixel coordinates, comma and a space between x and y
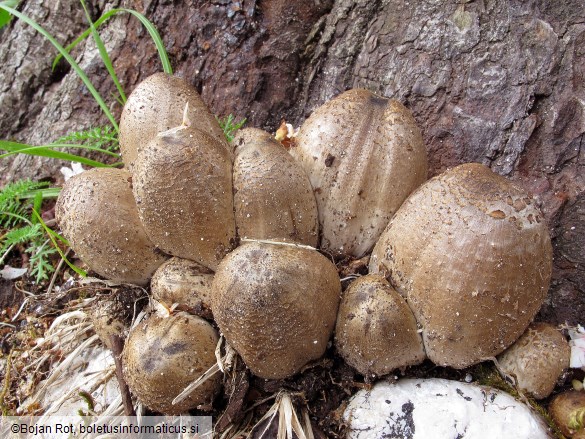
21, 235
40, 260
11, 201
104, 137
229, 126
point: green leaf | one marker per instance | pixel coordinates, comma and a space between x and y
50, 192
21, 235
12, 210
104, 53
162, 52
230, 127
98, 98
48, 151
99, 137
40, 261
52, 236
5, 17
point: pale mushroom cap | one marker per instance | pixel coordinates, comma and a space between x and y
162, 356
471, 253
183, 190
156, 105
376, 331
276, 305
364, 155
97, 214
184, 282
273, 197
537, 359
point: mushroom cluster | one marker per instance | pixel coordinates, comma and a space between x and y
232, 232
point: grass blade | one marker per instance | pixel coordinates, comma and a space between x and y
52, 236
49, 192
47, 151
5, 17
160, 47
104, 53
98, 98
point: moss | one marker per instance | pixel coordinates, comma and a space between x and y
486, 374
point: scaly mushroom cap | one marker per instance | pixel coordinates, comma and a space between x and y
537, 359
184, 282
471, 253
273, 197
183, 190
157, 105
376, 331
162, 356
364, 155
97, 214
276, 305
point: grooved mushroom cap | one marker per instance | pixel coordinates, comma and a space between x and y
364, 155
97, 214
184, 282
183, 190
162, 356
376, 331
471, 253
276, 305
157, 105
273, 197
537, 359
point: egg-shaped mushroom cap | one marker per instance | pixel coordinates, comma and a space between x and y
471, 253
183, 190
273, 197
162, 356
376, 331
156, 105
184, 282
276, 305
364, 154
97, 214
537, 359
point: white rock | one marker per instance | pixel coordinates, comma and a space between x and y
437, 408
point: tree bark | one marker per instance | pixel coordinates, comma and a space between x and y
491, 81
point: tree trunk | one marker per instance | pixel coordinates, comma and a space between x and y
491, 81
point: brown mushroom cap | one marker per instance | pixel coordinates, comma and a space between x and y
276, 305
376, 331
568, 411
162, 356
471, 253
364, 155
184, 282
157, 105
273, 197
537, 359
97, 214
183, 190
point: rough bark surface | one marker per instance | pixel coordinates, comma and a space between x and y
491, 81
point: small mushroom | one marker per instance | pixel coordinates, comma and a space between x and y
183, 282
183, 189
97, 214
273, 198
276, 305
471, 253
364, 154
156, 105
376, 331
537, 359
568, 411
162, 356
